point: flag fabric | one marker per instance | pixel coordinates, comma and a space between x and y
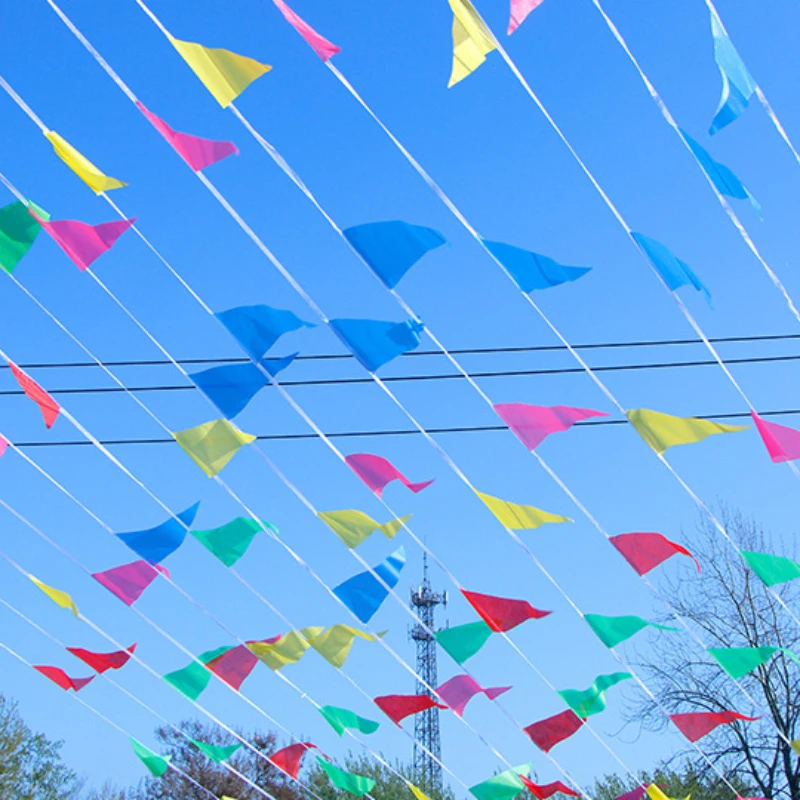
102, 662
357, 785
502, 786
319, 44
459, 690
586, 702
289, 758
782, 442
193, 680
229, 542
633, 794
612, 631
377, 472
519, 11
335, 643
662, 431
417, 792
532, 271
463, 641
674, 272
288, 649
18, 231
645, 551
375, 342
399, 706
130, 580
342, 719
234, 665
94, 178
771, 569
518, 517
533, 424
738, 661
696, 725
543, 791
61, 679
215, 752
500, 613
472, 40
60, 598
547, 733
157, 764
155, 544
257, 328
47, 405
353, 527
213, 444
364, 593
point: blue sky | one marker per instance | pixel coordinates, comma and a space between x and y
491, 150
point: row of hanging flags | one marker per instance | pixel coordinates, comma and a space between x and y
391, 249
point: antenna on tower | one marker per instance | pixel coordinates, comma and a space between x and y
428, 743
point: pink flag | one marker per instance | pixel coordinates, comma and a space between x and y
458, 691
782, 443
49, 408
198, 153
545, 790
377, 472
696, 725
533, 424
130, 580
319, 44
634, 794
519, 10
60, 678
84, 243
3, 445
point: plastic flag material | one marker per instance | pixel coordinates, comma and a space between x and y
319, 44
357, 785
102, 662
655, 793
782, 442
18, 231
257, 328
289, 649
633, 794
459, 690
586, 702
96, 180
60, 598
547, 733
472, 40
399, 706
645, 551
216, 753
500, 613
229, 542
364, 593
533, 424
737, 83
517, 517
353, 527
417, 792
519, 11
771, 569
129, 581
212, 445
47, 405
503, 786
612, 631
532, 271
335, 643
198, 153
61, 679
696, 725
374, 342
392, 248
463, 641
225, 74
543, 791
234, 665
289, 758
342, 719
155, 544
662, 431
157, 764
377, 472
738, 661
192, 681
3, 446
674, 272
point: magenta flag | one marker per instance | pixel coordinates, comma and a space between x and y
782, 443
130, 580
377, 472
519, 10
60, 678
319, 44
458, 691
197, 152
533, 424
634, 794
696, 725
3, 445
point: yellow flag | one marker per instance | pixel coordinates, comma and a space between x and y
418, 793
225, 74
353, 527
335, 644
654, 793
212, 445
796, 746
517, 517
96, 180
289, 649
472, 40
662, 431
56, 595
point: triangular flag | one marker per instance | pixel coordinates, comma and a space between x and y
586, 702
96, 180
101, 662
662, 431
472, 40
335, 643
213, 444
353, 527
364, 593
399, 706
215, 752
257, 328
533, 424
782, 443
56, 595
674, 272
47, 405
18, 231
645, 551
771, 569
192, 680
459, 690
738, 661
517, 517
319, 44
129, 581
289, 649
519, 10
504, 786
229, 542
547, 733
543, 791
377, 472
500, 613
357, 785
289, 758
375, 342
342, 719
696, 725
532, 271
417, 792
612, 631
235, 664
61, 679
463, 641
157, 764
155, 544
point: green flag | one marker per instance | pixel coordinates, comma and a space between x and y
771, 569
463, 641
229, 542
216, 753
592, 700
157, 764
193, 680
613, 630
18, 232
738, 661
340, 719
358, 785
503, 786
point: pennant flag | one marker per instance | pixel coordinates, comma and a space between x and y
503, 786
500, 613
633, 794
234, 665
459, 690
334, 644
319, 44
533, 424
257, 328
155, 544
357, 785
60, 598
612, 631
130, 580
399, 706
192, 681
674, 272
374, 342
417, 792
771, 569
198, 153
157, 764
782, 443
288, 759
212, 445
377, 472
532, 271
392, 248
738, 661
60, 678
547, 733
225, 74
18, 231
586, 702
796, 746
519, 11
662, 431
353, 527
47, 405
364, 593
342, 719
229, 542
472, 40
645, 551
517, 517
101, 662
655, 793
3, 446
463, 641
96, 180
737, 83
543, 791
289, 649
696, 725
216, 753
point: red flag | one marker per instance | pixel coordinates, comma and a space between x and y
645, 551
290, 757
100, 662
400, 706
60, 678
696, 725
49, 408
547, 733
500, 613
543, 791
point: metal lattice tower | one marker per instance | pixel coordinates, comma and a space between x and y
428, 773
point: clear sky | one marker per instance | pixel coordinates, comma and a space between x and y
493, 152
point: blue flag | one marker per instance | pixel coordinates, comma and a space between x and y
363, 593
155, 544
676, 273
532, 271
374, 342
257, 328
